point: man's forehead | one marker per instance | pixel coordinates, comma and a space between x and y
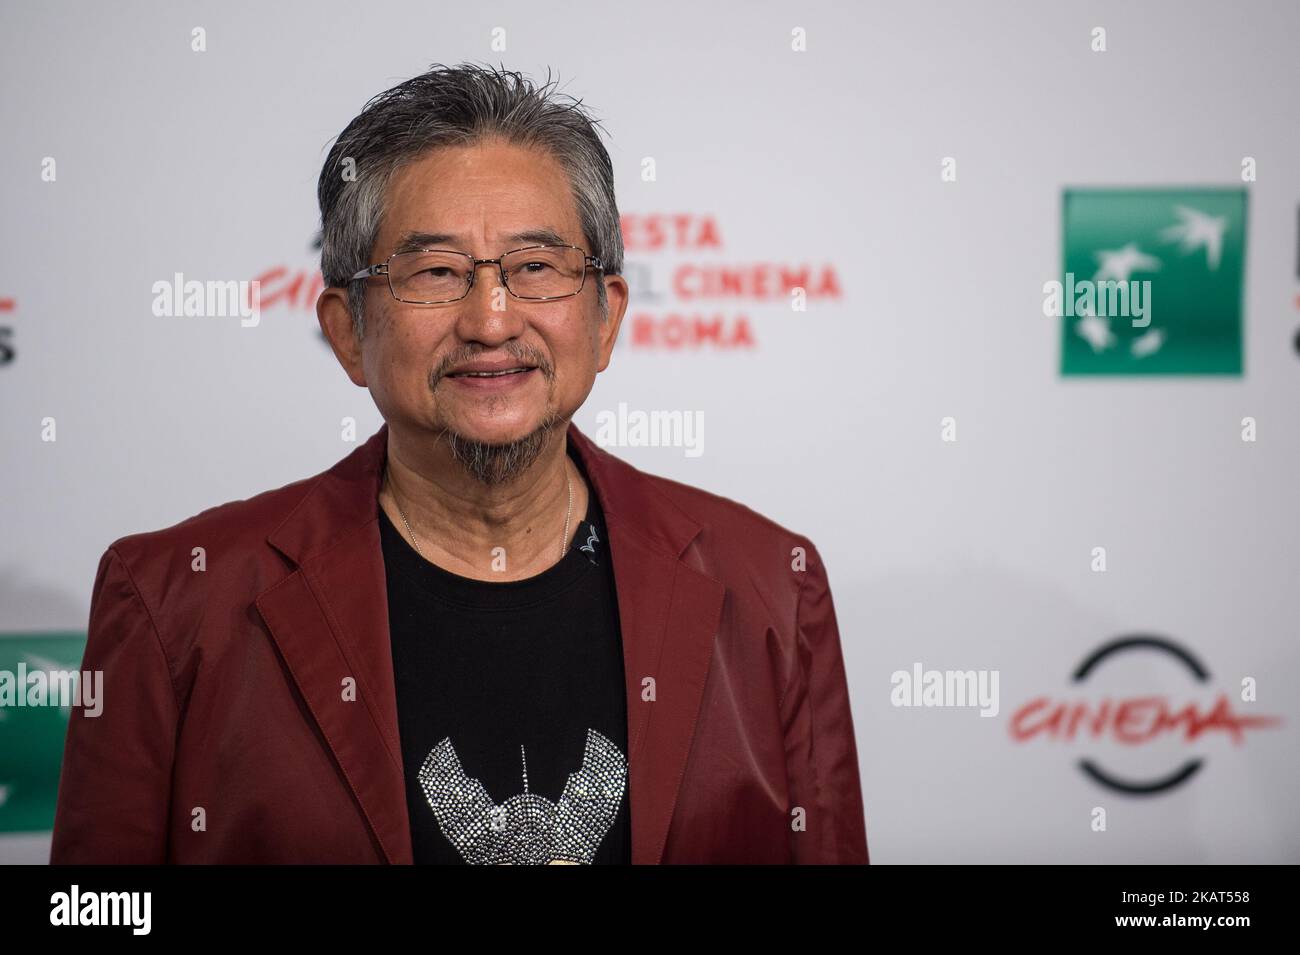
411, 239
535, 208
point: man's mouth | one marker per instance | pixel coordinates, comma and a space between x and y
488, 374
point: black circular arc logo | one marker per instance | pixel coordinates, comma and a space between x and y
1121, 645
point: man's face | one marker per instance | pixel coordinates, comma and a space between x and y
482, 198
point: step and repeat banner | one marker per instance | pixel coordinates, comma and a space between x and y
998, 303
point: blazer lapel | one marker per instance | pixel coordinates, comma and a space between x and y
669, 614
329, 618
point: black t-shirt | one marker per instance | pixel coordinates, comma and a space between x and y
511, 707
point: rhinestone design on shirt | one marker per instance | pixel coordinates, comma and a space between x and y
526, 829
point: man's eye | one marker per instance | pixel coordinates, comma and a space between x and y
439, 271
529, 266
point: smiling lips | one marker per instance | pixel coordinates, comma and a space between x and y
487, 374
491, 373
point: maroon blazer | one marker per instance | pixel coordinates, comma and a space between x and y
226, 734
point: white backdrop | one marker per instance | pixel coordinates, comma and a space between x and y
961, 555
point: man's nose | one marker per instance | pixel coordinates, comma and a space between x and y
487, 312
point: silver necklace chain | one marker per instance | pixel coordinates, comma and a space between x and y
564, 540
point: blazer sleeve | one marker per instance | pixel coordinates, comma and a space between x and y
821, 753
115, 782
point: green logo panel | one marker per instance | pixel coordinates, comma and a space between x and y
31, 737
1190, 244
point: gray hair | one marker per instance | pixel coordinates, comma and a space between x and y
458, 106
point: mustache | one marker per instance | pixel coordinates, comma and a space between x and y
522, 353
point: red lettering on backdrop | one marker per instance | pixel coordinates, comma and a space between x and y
655, 233
299, 290
708, 280
763, 282
1130, 721
267, 285
681, 331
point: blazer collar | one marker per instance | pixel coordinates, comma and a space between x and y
345, 499
329, 618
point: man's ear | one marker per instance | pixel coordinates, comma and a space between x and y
336, 322
616, 295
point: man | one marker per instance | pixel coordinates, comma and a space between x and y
477, 638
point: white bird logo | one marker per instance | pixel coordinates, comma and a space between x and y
1095, 330
1147, 344
1118, 264
1198, 230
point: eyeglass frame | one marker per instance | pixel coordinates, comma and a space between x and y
588, 262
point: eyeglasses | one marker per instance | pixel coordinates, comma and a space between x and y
535, 273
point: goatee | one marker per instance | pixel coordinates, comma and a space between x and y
493, 464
